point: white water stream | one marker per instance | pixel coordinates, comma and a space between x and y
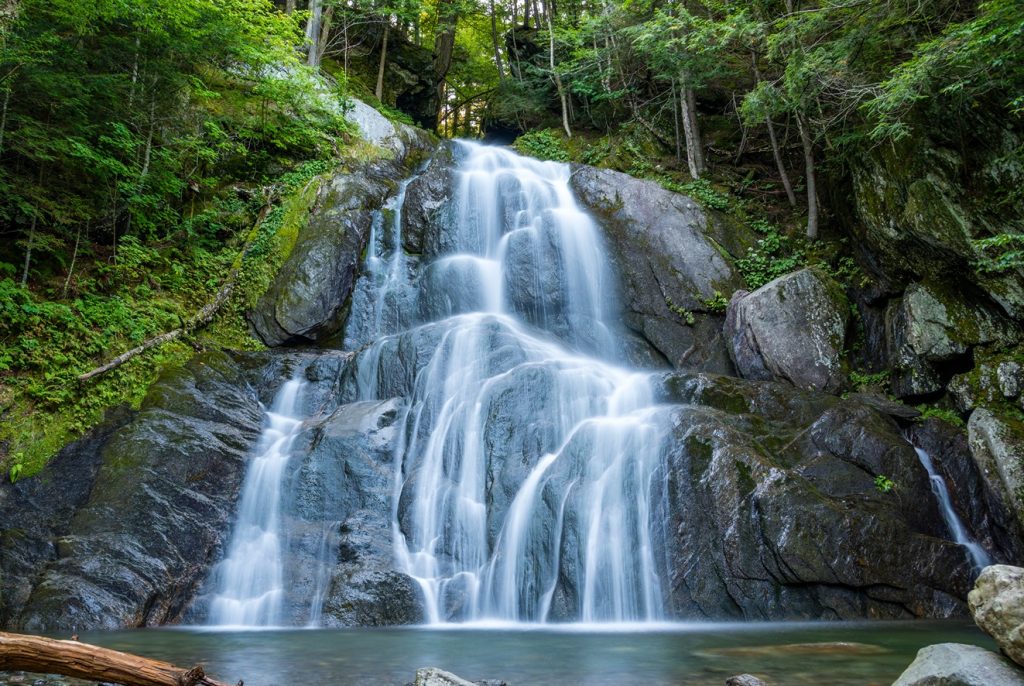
249, 580
979, 556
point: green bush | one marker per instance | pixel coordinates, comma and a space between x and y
545, 144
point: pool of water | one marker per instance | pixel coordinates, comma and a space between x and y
794, 654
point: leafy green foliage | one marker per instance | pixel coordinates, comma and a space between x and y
884, 484
863, 381
948, 416
775, 255
1002, 253
545, 144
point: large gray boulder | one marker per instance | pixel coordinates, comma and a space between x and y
997, 604
158, 509
792, 329
933, 324
673, 258
398, 138
997, 446
773, 511
307, 300
957, 664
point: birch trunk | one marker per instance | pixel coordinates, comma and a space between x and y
812, 190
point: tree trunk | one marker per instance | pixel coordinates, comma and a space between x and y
325, 33
776, 152
812, 191
698, 147
494, 40
379, 91
690, 133
313, 33
289, 6
675, 118
3, 117
444, 45
74, 257
558, 80
28, 250
83, 661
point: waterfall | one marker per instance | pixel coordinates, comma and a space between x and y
979, 556
525, 480
249, 580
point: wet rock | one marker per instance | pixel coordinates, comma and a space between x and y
773, 511
160, 508
931, 325
793, 329
956, 664
997, 446
432, 676
997, 604
745, 680
427, 202
37, 511
981, 507
672, 257
308, 298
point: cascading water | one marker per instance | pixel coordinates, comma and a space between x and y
979, 556
249, 580
525, 480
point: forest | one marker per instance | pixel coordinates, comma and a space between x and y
150, 150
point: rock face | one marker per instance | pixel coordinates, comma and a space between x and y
997, 604
307, 299
158, 509
309, 296
773, 511
792, 329
956, 664
930, 326
36, 512
672, 258
998, 449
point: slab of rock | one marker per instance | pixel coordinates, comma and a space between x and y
672, 258
159, 509
432, 676
932, 324
792, 329
374, 127
745, 680
997, 604
997, 446
957, 664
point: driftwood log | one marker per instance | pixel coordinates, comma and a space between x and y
19, 652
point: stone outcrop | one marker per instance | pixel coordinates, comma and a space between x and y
158, 508
673, 259
997, 604
774, 512
997, 445
957, 664
792, 329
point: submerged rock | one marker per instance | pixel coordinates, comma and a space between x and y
745, 680
997, 604
791, 329
957, 664
432, 676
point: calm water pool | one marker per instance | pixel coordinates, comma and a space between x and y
782, 653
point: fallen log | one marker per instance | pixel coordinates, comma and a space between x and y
20, 652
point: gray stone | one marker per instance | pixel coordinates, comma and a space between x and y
374, 127
956, 664
745, 680
308, 298
997, 604
672, 258
773, 511
997, 446
159, 509
432, 676
791, 329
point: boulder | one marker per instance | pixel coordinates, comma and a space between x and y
673, 260
745, 680
934, 324
792, 329
773, 511
432, 676
956, 664
159, 509
400, 139
997, 604
307, 300
997, 446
